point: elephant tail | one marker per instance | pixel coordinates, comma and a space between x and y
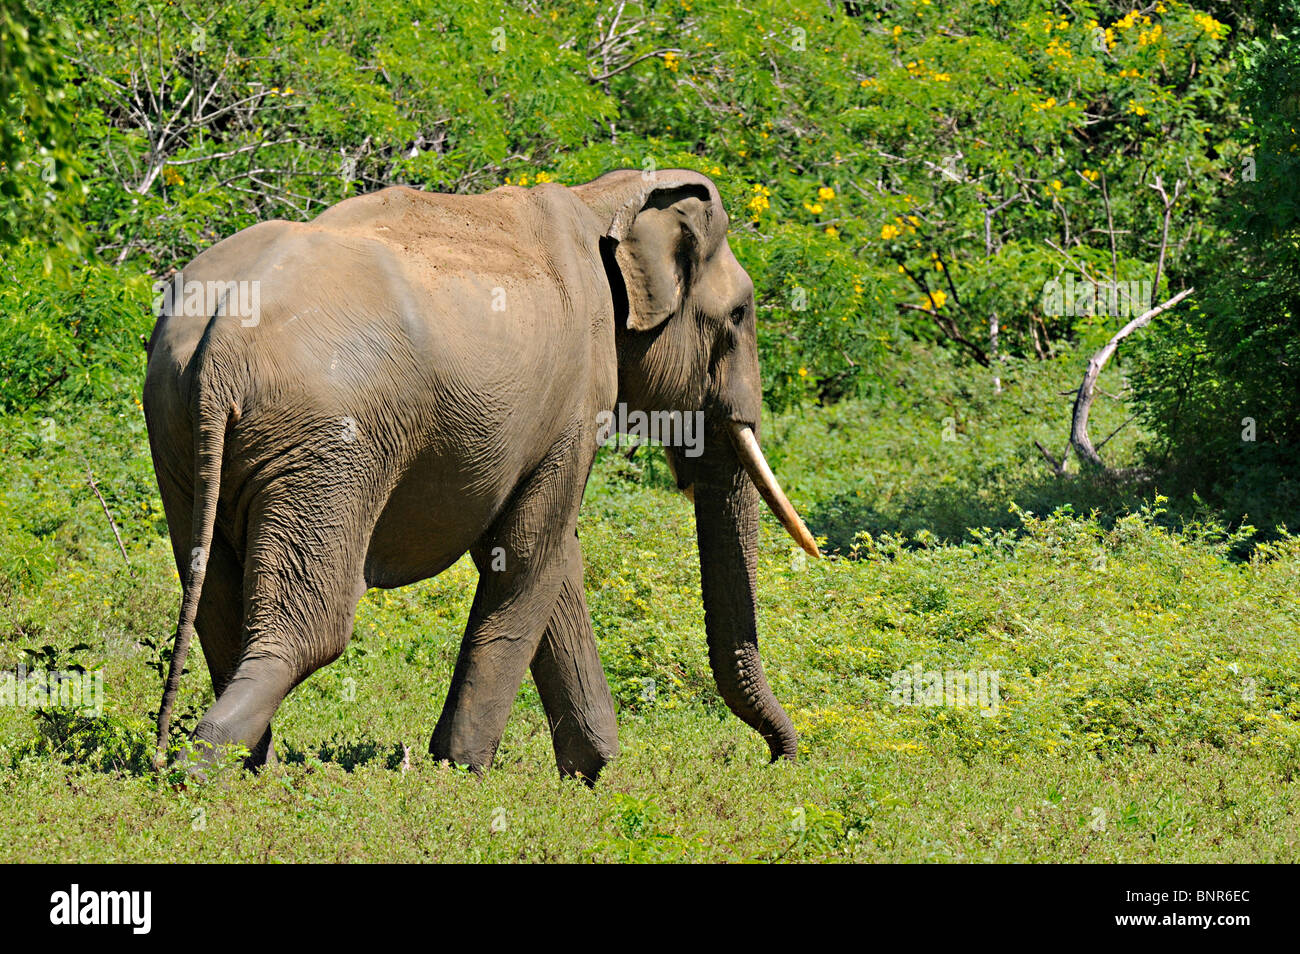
212, 420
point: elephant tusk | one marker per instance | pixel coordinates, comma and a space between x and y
761, 474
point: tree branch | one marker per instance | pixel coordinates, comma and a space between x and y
1087, 389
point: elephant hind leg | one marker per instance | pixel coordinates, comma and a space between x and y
288, 640
220, 626
220, 618
298, 612
572, 684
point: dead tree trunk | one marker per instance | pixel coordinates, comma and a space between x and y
1083, 399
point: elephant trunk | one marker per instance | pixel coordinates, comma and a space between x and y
726, 515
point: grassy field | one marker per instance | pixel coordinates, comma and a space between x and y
1147, 661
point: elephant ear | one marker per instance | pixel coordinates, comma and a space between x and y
653, 242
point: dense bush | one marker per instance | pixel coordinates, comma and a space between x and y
38, 162
913, 170
1220, 382
79, 338
905, 172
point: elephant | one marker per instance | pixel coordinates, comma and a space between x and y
417, 375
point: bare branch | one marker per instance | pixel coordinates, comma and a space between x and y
631, 63
1169, 204
90, 479
1087, 389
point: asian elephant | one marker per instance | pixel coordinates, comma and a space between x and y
421, 375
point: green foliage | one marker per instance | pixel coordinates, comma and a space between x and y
889, 175
78, 340
895, 178
639, 836
1218, 383
1145, 670
38, 165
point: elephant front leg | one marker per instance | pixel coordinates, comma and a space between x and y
572, 684
522, 566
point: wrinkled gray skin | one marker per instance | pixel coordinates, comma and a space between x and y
381, 419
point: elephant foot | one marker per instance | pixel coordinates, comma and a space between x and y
241, 716
577, 757
209, 747
582, 755
444, 748
263, 754
588, 771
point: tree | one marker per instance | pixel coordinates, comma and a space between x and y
38, 166
1221, 382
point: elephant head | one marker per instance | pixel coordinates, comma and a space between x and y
687, 341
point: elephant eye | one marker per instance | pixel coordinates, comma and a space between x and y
738, 314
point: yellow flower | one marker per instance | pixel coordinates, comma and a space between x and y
815, 207
171, 176
1056, 184
1211, 27
670, 61
891, 231
937, 298
825, 193
803, 372
832, 231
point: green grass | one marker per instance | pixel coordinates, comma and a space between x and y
1148, 660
